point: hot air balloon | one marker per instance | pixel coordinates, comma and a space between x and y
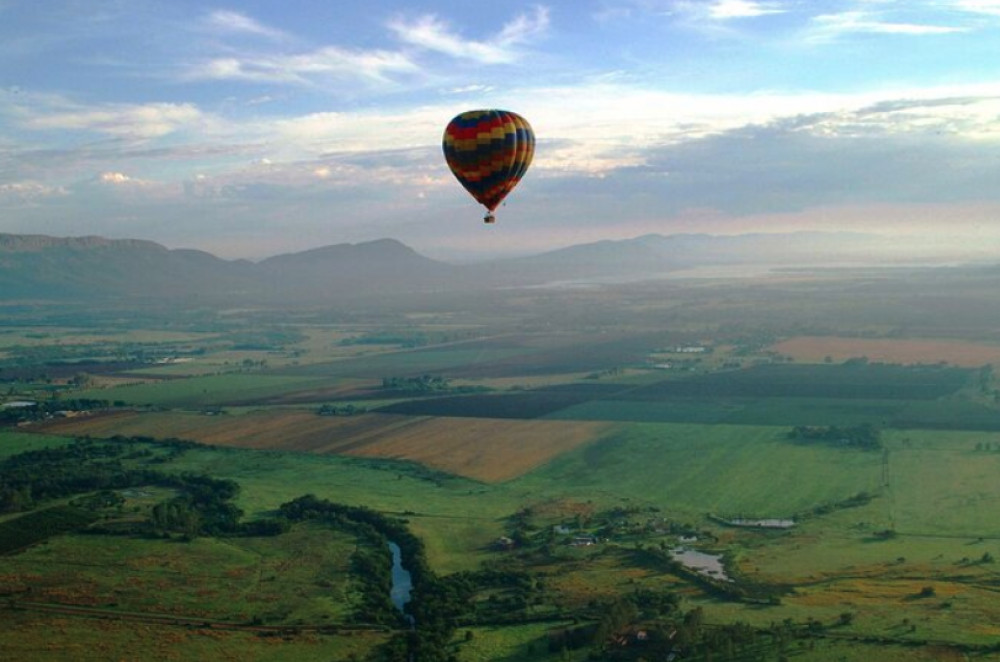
489, 151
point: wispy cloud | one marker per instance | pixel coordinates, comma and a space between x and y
152, 120
989, 7
331, 61
828, 27
28, 191
235, 22
431, 33
726, 9
470, 89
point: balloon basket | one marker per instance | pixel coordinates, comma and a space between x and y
489, 218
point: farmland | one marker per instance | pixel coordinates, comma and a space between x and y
593, 431
490, 450
889, 350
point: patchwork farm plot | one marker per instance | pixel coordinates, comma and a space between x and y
489, 450
881, 394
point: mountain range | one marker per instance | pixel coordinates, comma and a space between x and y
94, 268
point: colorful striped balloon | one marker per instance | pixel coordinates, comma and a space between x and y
489, 151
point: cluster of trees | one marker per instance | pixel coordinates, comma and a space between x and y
865, 436
421, 384
345, 410
427, 384
202, 507
854, 501
46, 408
411, 338
408, 340
31, 478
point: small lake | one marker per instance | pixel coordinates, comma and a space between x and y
401, 582
703, 563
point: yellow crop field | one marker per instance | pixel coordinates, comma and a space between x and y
889, 350
490, 450
487, 449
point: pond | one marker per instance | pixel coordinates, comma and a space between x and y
401, 582
703, 563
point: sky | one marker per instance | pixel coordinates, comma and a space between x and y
261, 127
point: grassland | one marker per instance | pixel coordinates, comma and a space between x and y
206, 390
301, 577
43, 636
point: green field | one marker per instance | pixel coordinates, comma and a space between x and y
207, 390
12, 443
751, 470
406, 362
941, 414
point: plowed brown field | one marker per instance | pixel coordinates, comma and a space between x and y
889, 350
486, 449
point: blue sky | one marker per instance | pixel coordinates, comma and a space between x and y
259, 127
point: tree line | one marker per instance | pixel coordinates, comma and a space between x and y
865, 436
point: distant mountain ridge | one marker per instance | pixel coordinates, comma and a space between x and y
40, 242
93, 268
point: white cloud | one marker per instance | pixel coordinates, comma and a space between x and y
120, 181
614, 124
989, 7
726, 9
431, 33
151, 120
231, 21
331, 61
114, 178
29, 191
828, 27
716, 10
470, 89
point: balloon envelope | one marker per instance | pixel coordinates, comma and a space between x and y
489, 151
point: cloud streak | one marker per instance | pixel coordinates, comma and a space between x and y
304, 68
236, 23
432, 33
140, 121
830, 27
988, 7
729, 9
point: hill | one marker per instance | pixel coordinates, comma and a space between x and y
36, 267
